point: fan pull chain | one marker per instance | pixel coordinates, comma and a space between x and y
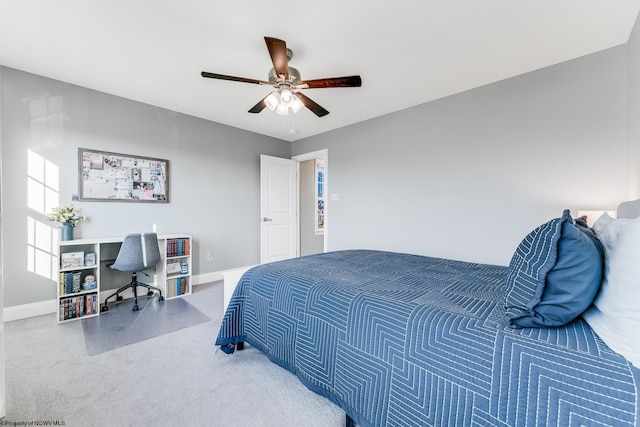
286, 123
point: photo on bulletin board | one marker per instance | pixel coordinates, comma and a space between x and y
115, 177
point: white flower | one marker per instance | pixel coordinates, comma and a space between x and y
68, 213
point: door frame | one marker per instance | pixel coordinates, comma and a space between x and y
324, 153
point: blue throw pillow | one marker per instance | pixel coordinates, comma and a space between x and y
554, 274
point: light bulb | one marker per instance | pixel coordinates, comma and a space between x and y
285, 96
296, 105
282, 109
272, 101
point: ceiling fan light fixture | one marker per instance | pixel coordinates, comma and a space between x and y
272, 101
286, 96
296, 105
282, 109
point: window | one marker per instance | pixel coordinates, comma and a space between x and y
42, 196
320, 195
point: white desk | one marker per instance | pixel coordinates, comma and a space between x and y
75, 304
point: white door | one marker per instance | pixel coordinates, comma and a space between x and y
278, 209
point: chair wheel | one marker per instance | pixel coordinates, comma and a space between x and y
135, 307
150, 293
104, 308
118, 298
160, 298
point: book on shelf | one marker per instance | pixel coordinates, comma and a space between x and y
90, 302
78, 306
70, 282
75, 282
176, 286
171, 287
71, 260
178, 247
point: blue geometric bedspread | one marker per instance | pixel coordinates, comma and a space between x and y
406, 340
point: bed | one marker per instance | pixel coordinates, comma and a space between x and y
406, 340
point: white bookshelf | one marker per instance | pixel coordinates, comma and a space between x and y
74, 300
175, 269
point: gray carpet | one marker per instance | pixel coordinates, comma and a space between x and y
121, 326
175, 379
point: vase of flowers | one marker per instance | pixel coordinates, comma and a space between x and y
68, 216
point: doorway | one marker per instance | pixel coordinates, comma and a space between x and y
312, 206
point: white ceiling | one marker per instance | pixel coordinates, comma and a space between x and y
407, 52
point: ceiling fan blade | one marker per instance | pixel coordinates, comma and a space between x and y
349, 81
278, 51
233, 78
312, 105
259, 106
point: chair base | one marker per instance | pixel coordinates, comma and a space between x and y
133, 285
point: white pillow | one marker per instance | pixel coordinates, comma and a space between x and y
602, 223
609, 231
615, 313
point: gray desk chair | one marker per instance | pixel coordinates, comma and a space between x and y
137, 253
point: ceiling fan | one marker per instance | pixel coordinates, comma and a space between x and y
287, 82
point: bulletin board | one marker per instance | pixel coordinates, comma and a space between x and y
105, 176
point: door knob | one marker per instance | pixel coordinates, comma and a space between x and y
266, 219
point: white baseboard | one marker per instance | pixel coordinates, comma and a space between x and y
24, 311
199, 279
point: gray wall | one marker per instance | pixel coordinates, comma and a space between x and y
633, 51
3, 408
214, 174
310, 243
468, 176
